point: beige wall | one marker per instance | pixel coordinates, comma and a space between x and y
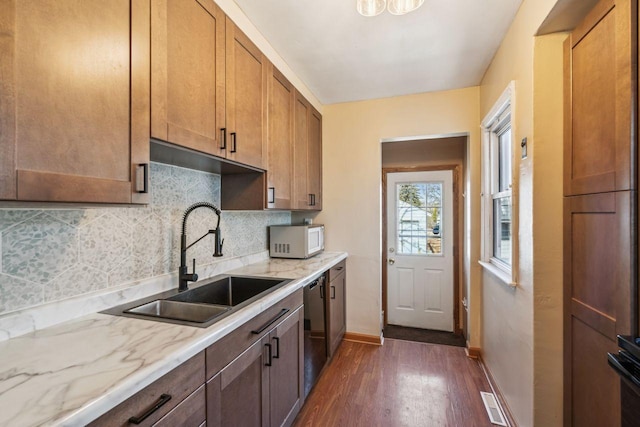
352, 178
547, 233
508, 346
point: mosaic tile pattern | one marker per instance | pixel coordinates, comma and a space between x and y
50, 255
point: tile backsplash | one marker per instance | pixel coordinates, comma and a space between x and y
50, 255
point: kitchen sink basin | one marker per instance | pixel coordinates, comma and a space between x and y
230, 290
205, 303
198, 313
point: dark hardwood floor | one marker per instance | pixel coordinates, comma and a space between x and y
401, 383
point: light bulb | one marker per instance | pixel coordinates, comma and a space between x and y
371, 7
400, 7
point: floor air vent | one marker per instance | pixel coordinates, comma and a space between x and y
493, 409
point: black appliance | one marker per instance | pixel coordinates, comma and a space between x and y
627, 364
315, 337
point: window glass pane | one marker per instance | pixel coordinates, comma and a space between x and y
419, 218
504, 160
502, 229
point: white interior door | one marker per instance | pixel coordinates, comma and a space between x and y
420, 249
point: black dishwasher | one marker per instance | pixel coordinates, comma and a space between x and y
627, 364
315, 337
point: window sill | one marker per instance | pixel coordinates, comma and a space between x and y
499, 273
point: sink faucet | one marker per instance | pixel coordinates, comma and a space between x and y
184, 277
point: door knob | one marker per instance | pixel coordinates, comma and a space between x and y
392, 261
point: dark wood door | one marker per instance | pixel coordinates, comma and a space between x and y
286, 388
74, 100
280, 141
597, 303
600, 129
246, 98
599, 101
239, 394
337, 323
188, 74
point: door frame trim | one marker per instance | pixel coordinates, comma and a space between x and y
455, 169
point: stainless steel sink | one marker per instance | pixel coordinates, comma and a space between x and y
229, 290
206, 303
198, 313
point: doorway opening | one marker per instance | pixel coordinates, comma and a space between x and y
423, 215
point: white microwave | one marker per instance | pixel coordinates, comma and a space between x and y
295, 241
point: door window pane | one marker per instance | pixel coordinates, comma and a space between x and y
419, 218
502, 229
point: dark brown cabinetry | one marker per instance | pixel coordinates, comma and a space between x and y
177, 398
280, 141
74, 101
337, 315
307, 156
599, 190
188, 74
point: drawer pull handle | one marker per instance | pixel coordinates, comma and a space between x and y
164, 398
270, 322
270, 362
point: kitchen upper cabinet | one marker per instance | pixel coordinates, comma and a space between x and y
337, 297
246, 98
280, 141
307, 156
74, 101
188, 74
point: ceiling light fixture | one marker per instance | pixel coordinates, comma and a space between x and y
395, 7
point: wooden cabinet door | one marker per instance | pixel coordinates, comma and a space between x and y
302, 110
314, 161
599, 101
280, 141
188, 74
307, 156
337, 323
286, 373
246, 98
597, 287
191, 412
74, 101
239, 394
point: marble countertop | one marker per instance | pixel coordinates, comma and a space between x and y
72, 373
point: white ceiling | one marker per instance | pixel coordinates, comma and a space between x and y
342, 56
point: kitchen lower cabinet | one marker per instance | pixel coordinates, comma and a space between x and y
336, 296
177, 398
74, 101
263, 385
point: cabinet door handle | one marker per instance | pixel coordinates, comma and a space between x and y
333, 292
233, 142
142, 178
269, 363
272, 195
164, 398
223, 138
310, 199
313, 198
270, 322
321, 291
277, 355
